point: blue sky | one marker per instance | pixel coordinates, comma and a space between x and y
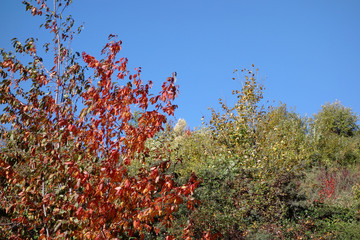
308, 52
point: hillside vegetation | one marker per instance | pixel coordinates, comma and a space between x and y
87, 151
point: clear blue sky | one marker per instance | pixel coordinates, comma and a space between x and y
308, 52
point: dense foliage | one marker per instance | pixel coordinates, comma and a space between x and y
87, 152
268, 173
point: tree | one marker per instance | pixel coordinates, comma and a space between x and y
248, 159
64, 170
334, 132
337, 119
283, 143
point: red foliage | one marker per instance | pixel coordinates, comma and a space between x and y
327, 187
64, 173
